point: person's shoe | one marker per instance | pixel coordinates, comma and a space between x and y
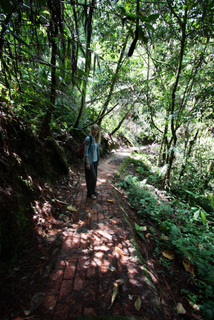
92, 196
97, 192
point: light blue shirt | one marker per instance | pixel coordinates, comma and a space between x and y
91, 151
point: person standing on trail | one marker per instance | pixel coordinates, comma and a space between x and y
91, 159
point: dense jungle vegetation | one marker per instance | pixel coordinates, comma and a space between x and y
142, 70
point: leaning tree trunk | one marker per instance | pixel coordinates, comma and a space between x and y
113, 82
122, 120
126, 114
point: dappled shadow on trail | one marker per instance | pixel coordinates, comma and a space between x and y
98, 251
85, 249
87, 271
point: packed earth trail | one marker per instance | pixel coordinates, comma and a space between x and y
98, 274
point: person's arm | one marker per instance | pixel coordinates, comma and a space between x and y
87, 162
86, 152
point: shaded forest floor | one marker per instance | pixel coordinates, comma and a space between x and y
42, 283
63, 237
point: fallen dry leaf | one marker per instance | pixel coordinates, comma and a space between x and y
200, 246
168, 254
120, 281
138, 304
60, 201
115, 291
164, 237
90, 215
143, 228
36, 300
148, 235
180, 308
117, 283
194, 306
188, 266
71, 208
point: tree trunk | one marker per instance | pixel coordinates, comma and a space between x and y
54, 9
126, 114
122, 120
191, 143
119, 64
172, 111
164, 144
87, 65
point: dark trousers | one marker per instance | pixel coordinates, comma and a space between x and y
91, 178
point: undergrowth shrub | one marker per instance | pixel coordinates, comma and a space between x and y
190, 232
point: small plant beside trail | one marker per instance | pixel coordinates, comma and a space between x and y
185, 227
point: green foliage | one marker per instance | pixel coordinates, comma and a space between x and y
190, 229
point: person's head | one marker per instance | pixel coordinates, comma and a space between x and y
95, 131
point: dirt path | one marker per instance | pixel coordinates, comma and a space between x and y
99, 257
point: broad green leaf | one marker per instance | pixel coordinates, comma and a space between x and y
203, 216
194, 195
212, 201
142, 36
138, 229
196, 214
46, 11
142, 17
153, 17
209, 313
131, 16
211, 198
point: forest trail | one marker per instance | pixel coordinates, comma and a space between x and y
98, 261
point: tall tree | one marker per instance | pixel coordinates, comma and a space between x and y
176, 63
55, 22
88, 30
